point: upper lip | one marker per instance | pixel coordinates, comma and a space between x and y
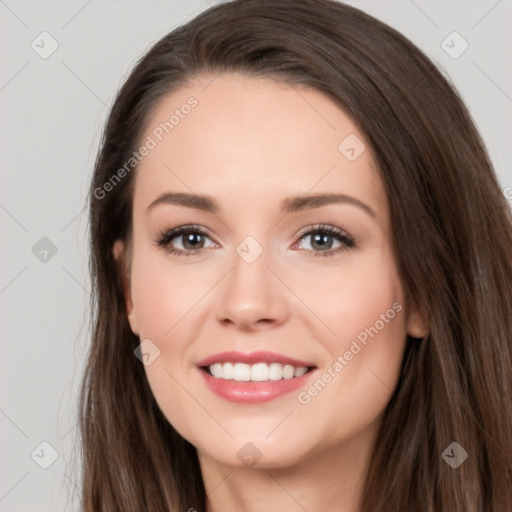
261, 356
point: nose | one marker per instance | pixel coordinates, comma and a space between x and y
252, 298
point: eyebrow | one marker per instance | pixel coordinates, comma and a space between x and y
289, 205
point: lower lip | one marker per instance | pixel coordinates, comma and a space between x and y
249, 392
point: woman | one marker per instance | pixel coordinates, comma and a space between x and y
232, 369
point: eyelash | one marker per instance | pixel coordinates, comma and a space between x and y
164, 239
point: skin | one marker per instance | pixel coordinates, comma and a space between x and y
250, 143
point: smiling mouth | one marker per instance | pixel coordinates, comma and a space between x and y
258, 372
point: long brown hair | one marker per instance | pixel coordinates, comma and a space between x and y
452, 235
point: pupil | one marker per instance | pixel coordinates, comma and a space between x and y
322, 239
190, 239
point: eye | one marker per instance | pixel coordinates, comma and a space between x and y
323, 237
192, 240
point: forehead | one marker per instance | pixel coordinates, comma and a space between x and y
245, 140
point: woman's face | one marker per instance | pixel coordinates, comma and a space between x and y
293, 259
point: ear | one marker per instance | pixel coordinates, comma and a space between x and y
120, 255
417, 327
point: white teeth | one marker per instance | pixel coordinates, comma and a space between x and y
275, 371
242, 371
216, 370
288, 371
228, 371
258, 372
301, 370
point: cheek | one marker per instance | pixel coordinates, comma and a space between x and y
370, 306
367, 313
371, 321
163, 294
361, 299
165, 298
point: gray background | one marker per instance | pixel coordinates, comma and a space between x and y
52, 113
